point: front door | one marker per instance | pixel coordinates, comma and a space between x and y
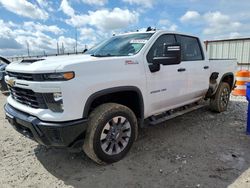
167, 87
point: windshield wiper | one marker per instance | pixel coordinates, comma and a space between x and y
101, 55
106, 55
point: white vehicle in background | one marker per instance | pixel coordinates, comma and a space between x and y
97, 100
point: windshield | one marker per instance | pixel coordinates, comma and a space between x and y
123, 45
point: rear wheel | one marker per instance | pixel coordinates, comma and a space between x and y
111, 132
219, 102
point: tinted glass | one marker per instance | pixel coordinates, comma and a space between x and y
158, 47
123, 45
190, 48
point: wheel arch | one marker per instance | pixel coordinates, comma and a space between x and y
228, 78
215, 80
107, 94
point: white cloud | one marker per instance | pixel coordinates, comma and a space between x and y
173, 27
78, 20
163, 22
218, 23
90, 36
39, 27
40, 42
45, 4
234, 35
95, 2
6, 29
14, 38
110, 20
42, 3
87, 34
67, 42
25, 9
103, 19
66, 8
216, 17
190, 16
144, 3
215, 24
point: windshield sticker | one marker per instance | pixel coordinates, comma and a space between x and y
138, 41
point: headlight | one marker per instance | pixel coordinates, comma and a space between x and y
62, 76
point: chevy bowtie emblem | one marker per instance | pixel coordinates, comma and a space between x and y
11, 82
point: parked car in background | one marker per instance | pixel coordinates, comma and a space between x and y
97, 100
3, 86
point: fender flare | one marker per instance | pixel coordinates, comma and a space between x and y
228, 74
100, 93
214, 83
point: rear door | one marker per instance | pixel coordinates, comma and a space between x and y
197, 67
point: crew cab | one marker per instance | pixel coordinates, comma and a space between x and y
97, 100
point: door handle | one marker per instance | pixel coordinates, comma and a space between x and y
206, 67
181, 70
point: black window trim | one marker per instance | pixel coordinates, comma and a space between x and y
156, 40
199, 43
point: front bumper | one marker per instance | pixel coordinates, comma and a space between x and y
56, 134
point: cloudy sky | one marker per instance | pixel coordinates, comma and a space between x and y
41, 24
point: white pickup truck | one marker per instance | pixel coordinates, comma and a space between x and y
99, 99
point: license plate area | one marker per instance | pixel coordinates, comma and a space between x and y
17, 125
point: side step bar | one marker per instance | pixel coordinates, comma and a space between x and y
153, 120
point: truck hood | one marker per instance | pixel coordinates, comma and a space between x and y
49, 64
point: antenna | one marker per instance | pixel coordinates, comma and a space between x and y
149, 29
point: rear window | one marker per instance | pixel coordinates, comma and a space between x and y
190, 48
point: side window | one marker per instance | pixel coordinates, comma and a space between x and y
157, 49
190, 48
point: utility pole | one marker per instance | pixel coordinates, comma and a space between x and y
62, 48
28, 48
57, 48
76, 39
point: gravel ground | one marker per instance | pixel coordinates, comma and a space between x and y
198, 149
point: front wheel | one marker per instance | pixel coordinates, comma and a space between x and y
219, 102
111, 132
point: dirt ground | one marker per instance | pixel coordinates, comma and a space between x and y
199, 149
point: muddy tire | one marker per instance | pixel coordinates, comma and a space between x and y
111, 131
219, 102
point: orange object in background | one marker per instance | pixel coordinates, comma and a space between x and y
242, 77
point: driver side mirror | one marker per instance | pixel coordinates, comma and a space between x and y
171, 55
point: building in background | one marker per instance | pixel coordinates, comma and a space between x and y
230, 48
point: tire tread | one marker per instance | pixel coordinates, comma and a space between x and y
215, 100
96, 116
